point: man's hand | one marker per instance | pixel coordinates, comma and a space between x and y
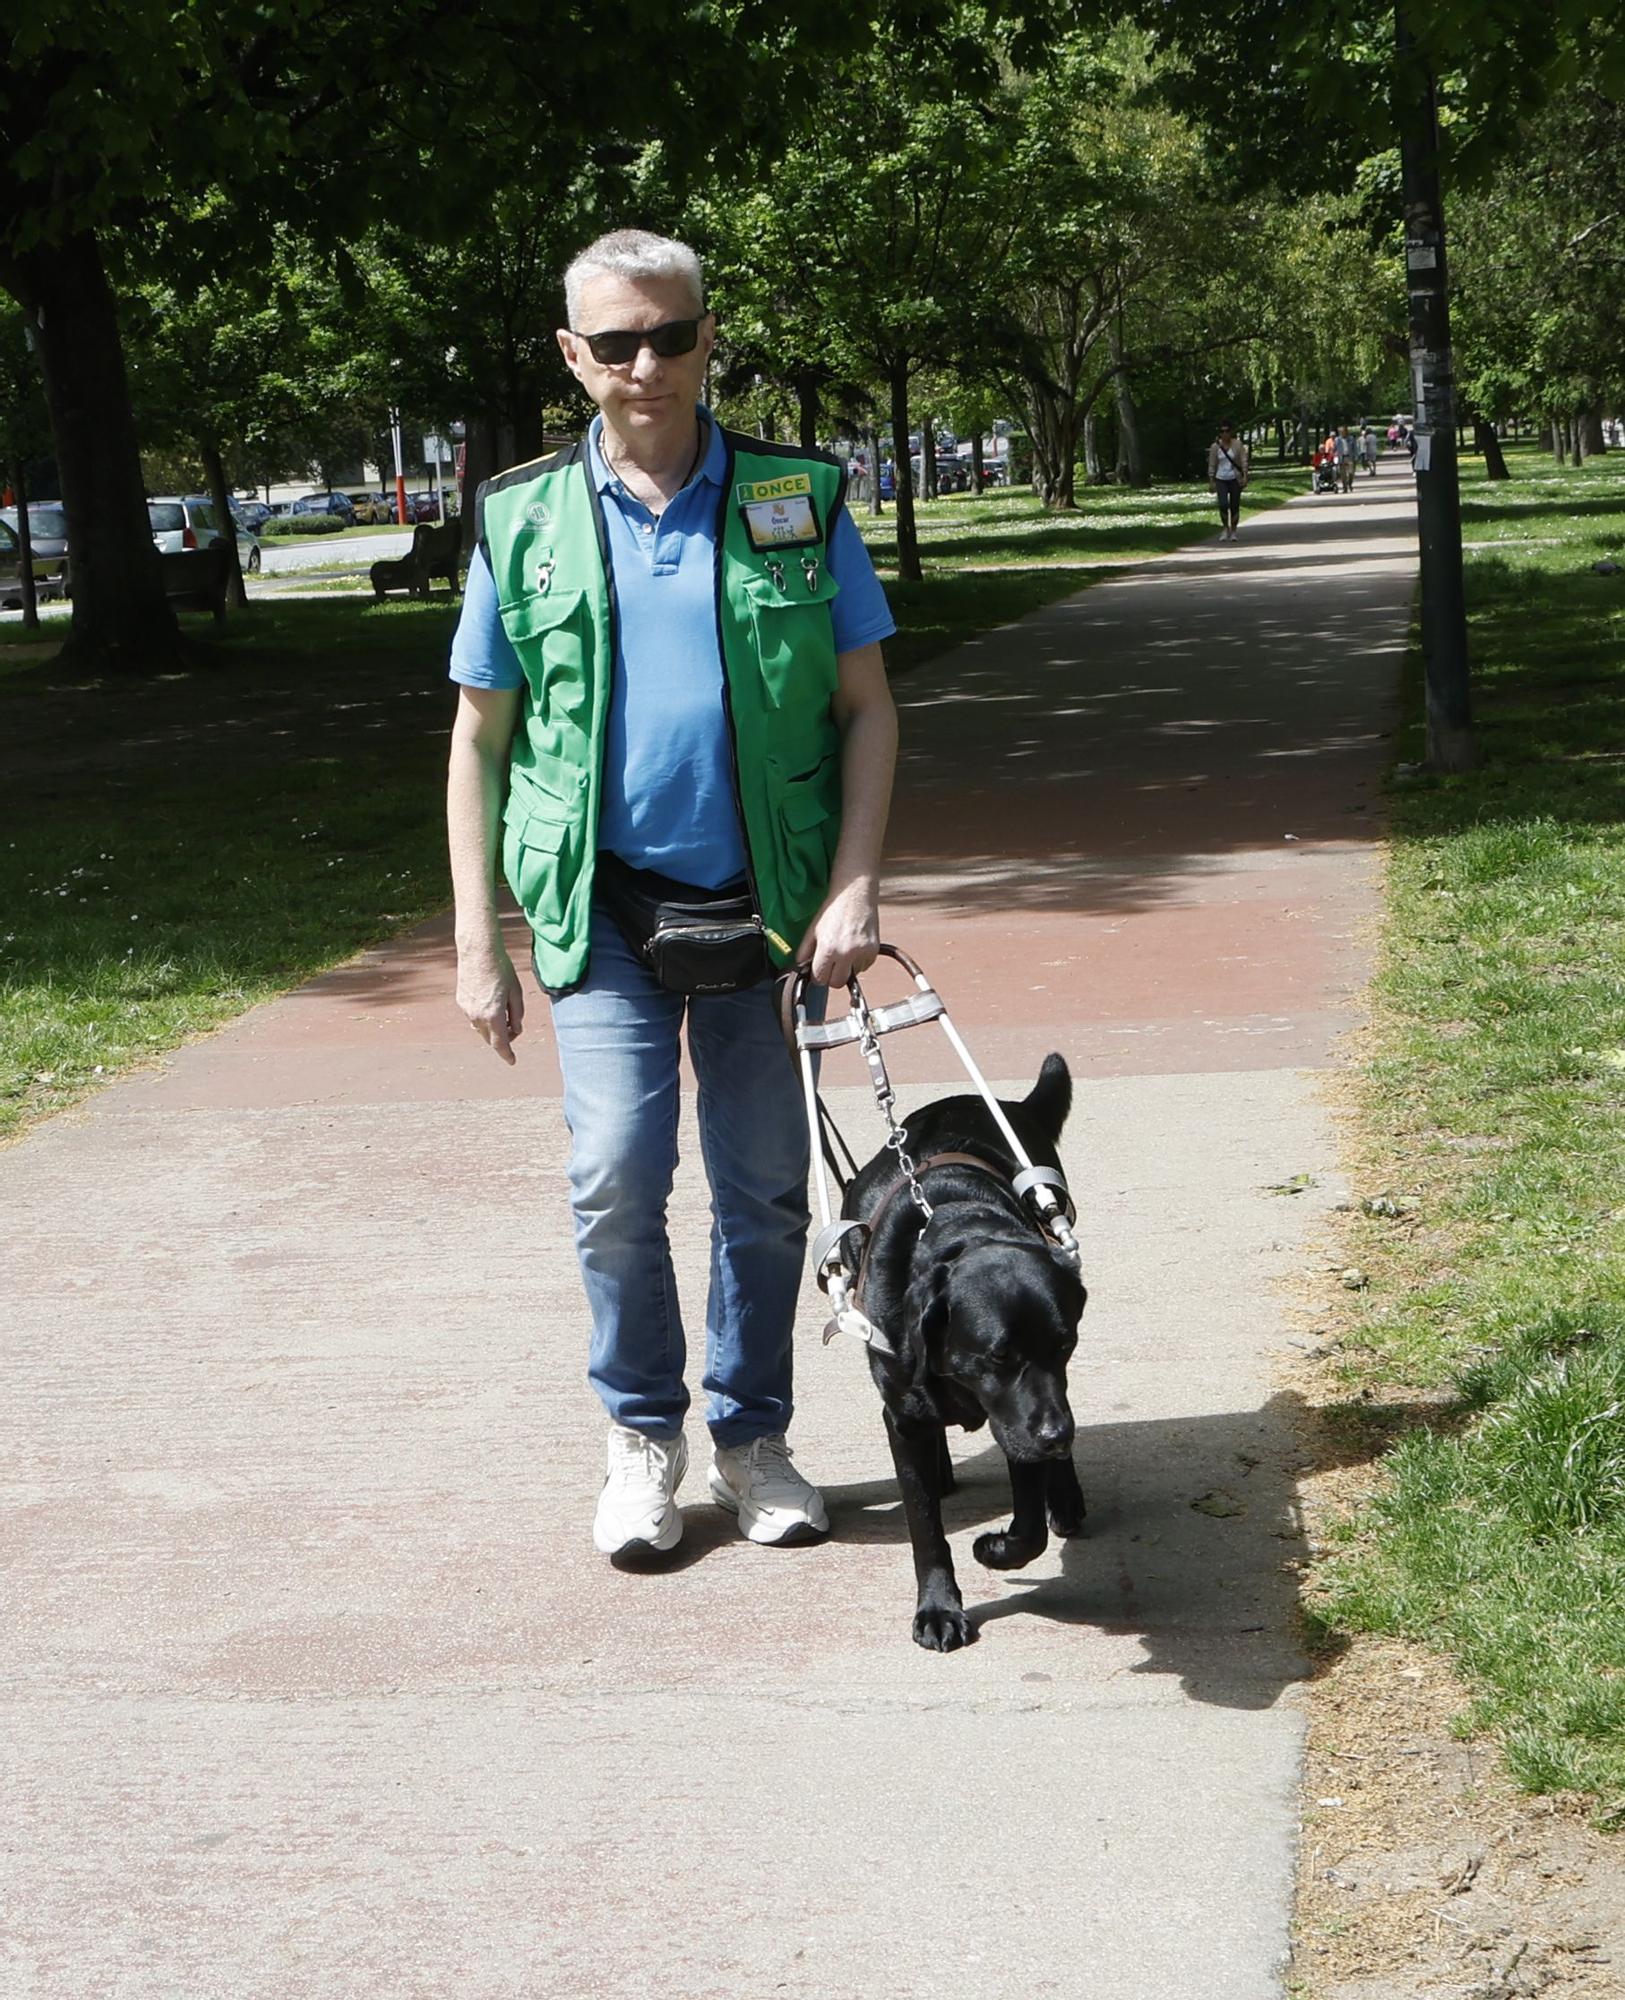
489, 993
844, 937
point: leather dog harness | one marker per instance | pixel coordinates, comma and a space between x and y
860, 1281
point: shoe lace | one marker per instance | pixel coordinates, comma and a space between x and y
769, 1461
637, 1453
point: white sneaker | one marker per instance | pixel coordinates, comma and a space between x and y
638, 1507
774, 1503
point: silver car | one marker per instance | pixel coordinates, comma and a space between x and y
48, 545
188, 522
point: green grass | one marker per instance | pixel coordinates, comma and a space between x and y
181, 849
1496, 1096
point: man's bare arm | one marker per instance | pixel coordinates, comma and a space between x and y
488, 989
844, 936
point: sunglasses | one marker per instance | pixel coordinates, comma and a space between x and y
615, 350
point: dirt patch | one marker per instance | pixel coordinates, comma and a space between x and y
1424, 1873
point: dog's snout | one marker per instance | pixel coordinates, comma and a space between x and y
1054, 1434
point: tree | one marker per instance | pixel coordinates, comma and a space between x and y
144, 115
1309, 122
883, 245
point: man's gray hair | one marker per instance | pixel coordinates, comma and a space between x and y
634, 254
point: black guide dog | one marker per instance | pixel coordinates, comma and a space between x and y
983, 1313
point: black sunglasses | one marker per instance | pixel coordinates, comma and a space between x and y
615, 350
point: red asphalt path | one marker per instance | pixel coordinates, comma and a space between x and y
1138, 826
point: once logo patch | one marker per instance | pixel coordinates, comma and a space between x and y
794, 483
537, 514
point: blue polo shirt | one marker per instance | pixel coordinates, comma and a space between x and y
668, 798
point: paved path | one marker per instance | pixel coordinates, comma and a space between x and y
315, 1689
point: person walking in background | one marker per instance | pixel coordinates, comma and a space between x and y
1227, 475
1343, 450
1368, 449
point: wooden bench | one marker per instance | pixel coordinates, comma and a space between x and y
434, 552
195, 579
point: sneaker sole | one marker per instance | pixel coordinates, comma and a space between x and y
798, 1535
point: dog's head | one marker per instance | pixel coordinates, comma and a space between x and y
997, 1317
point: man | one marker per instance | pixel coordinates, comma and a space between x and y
669, 656
1343, 448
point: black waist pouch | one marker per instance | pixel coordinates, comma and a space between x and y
693, 940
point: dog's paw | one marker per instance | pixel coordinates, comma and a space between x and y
1005, 1551
942, 1628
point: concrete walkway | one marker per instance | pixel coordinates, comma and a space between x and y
315, 1688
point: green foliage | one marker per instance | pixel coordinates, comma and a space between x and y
1536, 258
290, 525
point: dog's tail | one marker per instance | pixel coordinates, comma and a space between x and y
1050, 1098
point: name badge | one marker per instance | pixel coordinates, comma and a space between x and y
779, 513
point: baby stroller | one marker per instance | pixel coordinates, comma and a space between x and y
1325, 473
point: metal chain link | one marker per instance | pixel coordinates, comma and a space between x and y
886, 1098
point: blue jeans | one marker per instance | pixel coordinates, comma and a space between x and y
618, 1049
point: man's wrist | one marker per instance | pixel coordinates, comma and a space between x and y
477, 938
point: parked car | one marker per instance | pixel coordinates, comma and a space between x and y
252, 514
48, 546
189, 522
326, 503
424, 506
182, 521
371, 510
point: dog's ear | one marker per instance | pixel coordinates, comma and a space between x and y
1050, 1098
925, 1304
1073, 1292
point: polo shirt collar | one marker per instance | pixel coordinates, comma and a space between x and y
711, 466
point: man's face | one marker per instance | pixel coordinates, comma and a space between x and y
646, 394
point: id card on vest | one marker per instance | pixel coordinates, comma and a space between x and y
778, 513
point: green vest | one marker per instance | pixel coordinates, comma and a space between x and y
542, 529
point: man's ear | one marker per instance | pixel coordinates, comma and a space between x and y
567, 347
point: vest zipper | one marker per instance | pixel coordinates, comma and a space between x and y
600, 529
783, 944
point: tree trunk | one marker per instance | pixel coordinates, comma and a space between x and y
1590, 441
928, 458
1093, 471
1052, 428
25, 549
1560, 440
121, 619
807, 411
214, 473
1446, 676
1485, 441
1130, 452
977, 468
480, 463
908, 540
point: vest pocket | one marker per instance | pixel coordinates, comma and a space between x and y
541, 859
806, 827
552, 634
795, 639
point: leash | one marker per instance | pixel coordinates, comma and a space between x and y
840, 1248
